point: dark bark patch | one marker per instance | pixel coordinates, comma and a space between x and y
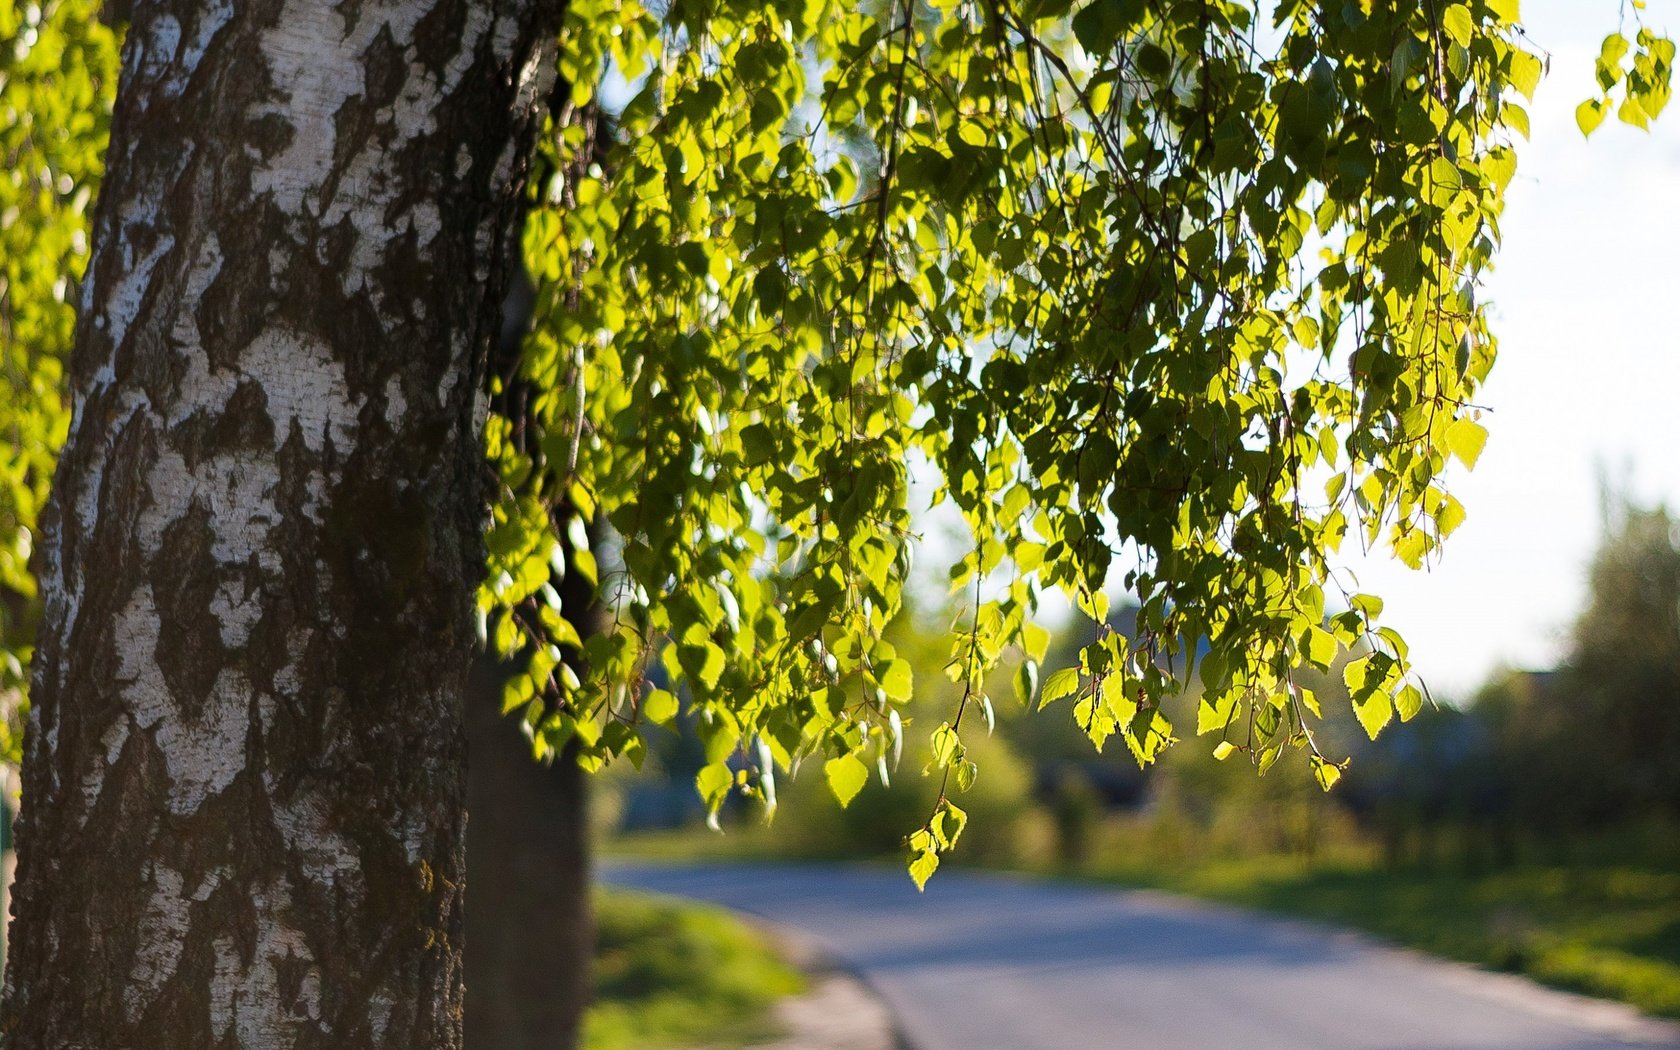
386, 70
268, 134
436, 33
190, 655
245, 422
123, 498
230, 313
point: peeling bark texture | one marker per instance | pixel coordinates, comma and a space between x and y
243, 779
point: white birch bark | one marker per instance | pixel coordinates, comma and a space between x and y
243, 778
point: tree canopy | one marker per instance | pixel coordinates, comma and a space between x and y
1182, 292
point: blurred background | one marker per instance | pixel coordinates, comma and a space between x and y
1529, 819
1530, 825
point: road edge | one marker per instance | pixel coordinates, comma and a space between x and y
810, 956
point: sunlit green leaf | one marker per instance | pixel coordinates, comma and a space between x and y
846, 776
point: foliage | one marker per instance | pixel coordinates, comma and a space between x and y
1622, 678
679, 974
58, 67
1176, 291
1639, 68
1168, 289
808, 825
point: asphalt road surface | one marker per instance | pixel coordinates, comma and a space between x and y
988, 962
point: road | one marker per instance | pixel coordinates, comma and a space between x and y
990, 962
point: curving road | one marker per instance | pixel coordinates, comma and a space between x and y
989, 962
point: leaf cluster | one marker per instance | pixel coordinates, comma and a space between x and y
1161, 290
1637, 69
1178, 293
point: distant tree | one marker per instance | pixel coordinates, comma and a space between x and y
1615, 709
1544, 755
1590, 744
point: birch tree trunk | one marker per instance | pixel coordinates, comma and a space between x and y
243, 778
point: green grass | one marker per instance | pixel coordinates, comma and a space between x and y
670, 974
696, 845
1609, 931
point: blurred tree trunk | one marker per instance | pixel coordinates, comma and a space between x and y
529, 924
530, 927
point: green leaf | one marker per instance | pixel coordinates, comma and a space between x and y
966, 773
1211, 672
1036, 641
757, 441
1458, 24
1062, 683
1099, 25
1608, 67
1525, 72
1409, 701
1216, 712
1148, 735
1026, 681
1355, 672
846, 776
1406, 59
1368, 605
1374, 711
1319, 646
896, 680
1444, 182
659, 707
1326, 773
1466, 439
1632, 113
922, 867
948, 825
1589, 115
947, 746
1506, 11
584, 562
714, 782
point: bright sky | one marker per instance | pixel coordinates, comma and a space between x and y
1587, 308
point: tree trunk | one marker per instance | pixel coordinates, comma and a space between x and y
243, 777
529, 924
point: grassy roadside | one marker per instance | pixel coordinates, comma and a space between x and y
1610, 931
675, 974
